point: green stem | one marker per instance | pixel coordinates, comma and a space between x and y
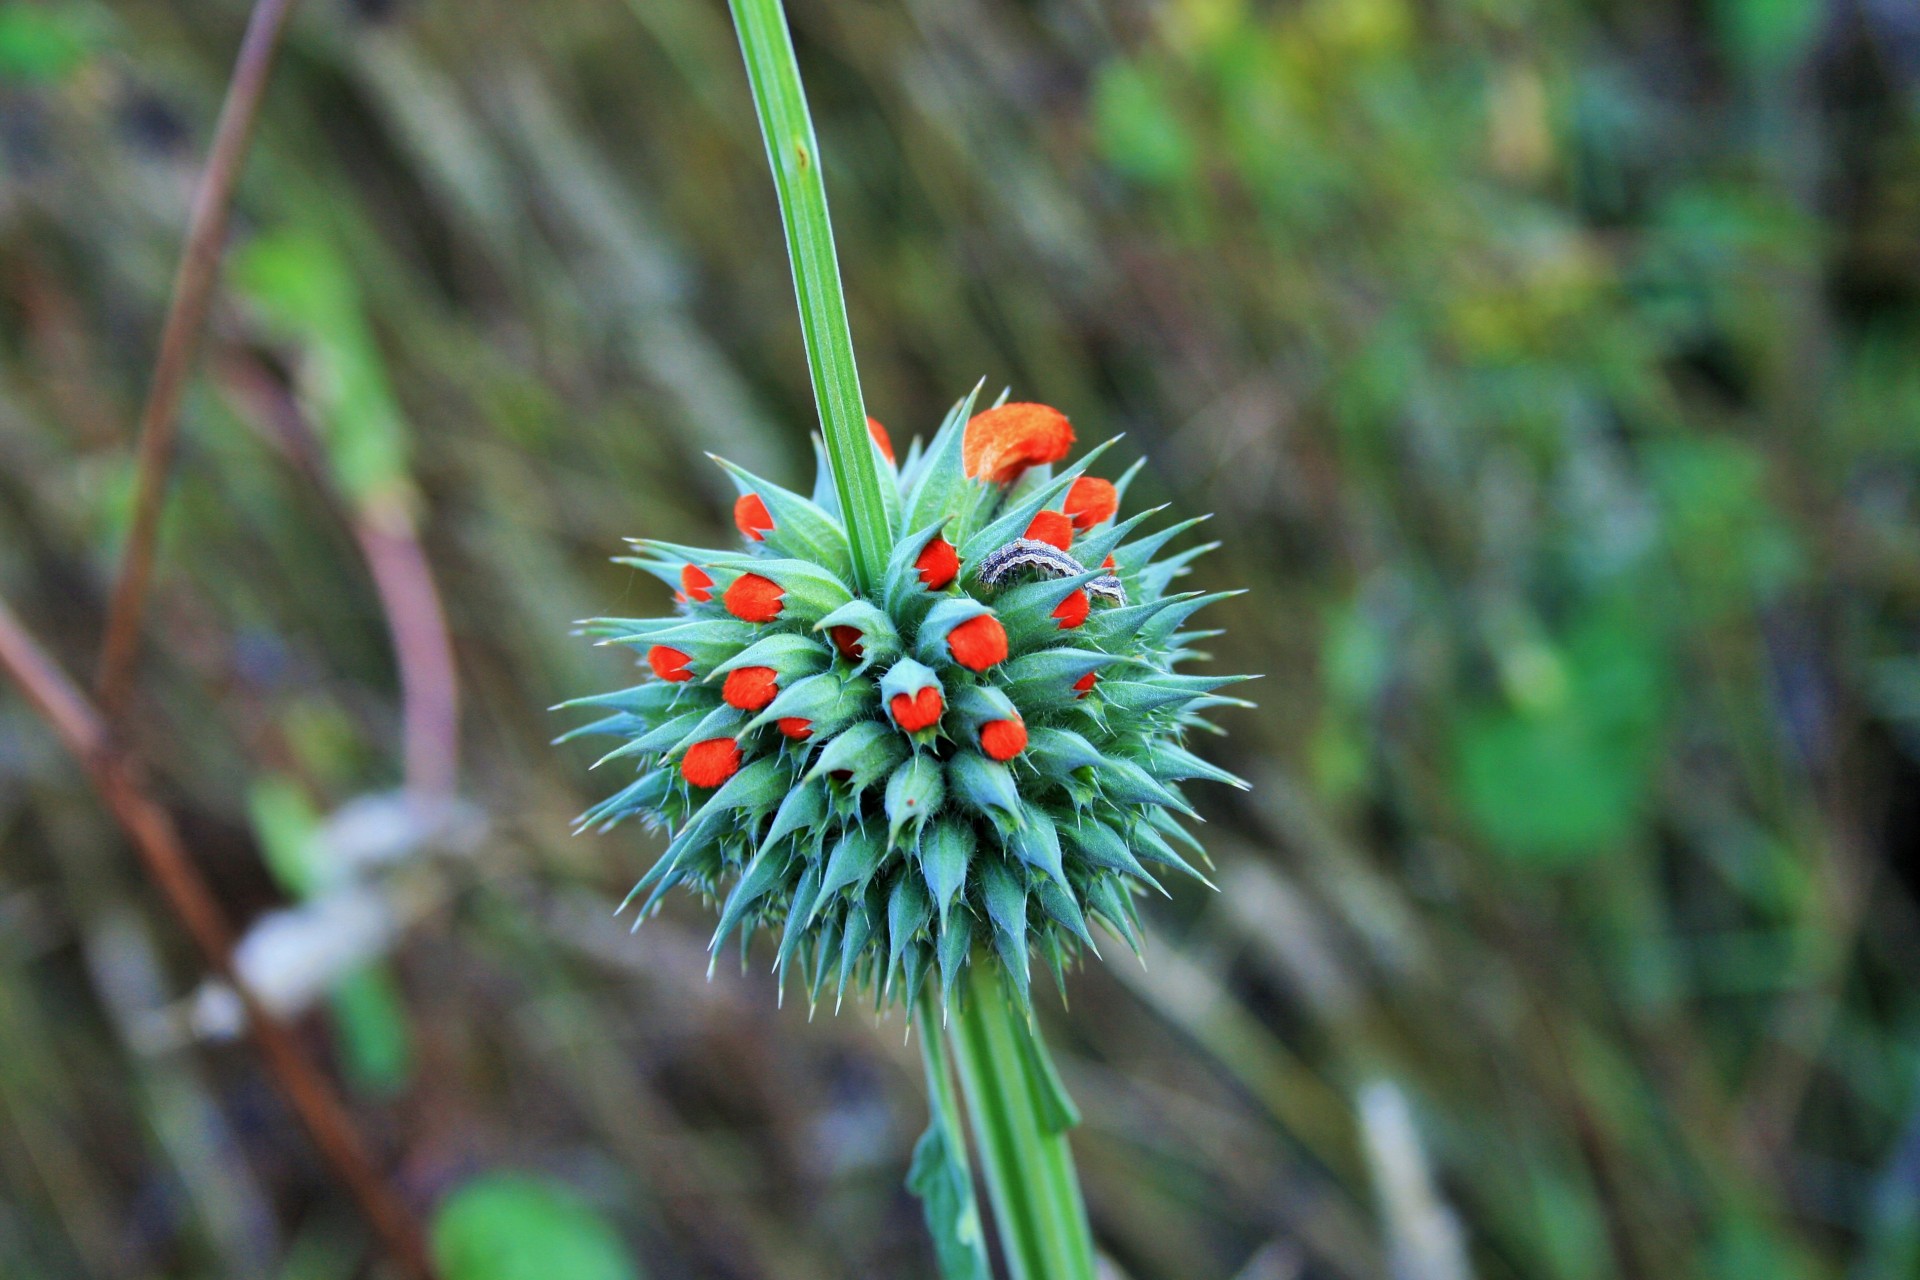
794, 154
1019, 1125
959, 1234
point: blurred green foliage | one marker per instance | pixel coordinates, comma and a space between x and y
513, 1227
1553, 370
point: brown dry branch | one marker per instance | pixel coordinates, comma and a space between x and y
179, 339
151, 829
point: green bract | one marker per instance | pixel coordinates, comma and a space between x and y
975, 760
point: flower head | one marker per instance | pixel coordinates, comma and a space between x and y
985, 748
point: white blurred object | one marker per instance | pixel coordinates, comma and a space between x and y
1423, 1236
371, 832
292, 957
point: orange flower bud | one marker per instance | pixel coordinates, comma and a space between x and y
1072, 611
669, 664
1084, 685
751, 518
921, 711
750, 688
938, 564
1003, 739
1052, 528
710, 763
799, 728
695, 584
753, 598
847, 640
978, 643
881, 438
1091, 500
1001, 443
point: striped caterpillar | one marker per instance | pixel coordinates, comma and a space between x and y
1029, 553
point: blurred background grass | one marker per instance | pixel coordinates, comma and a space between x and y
1552, 368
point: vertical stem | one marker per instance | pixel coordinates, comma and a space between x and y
794, 154
179, 336
1024, 1155
945, 1105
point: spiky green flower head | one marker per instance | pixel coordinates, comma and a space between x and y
975, 760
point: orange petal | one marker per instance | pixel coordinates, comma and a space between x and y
1091, 500
799, 728
750, 688
710, 763
753, 598
978, 643
1072, 611
669, 664
695, 583
1052, 528
1003, 739
1001, 443
847, 640
881, 438
938, 564
1084, 685
920, 711
751, 518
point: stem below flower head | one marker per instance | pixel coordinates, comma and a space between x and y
1020, 1120
794, 154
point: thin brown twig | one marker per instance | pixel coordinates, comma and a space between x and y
402, 575
179, 338
151, 829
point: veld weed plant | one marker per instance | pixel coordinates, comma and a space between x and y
925, 724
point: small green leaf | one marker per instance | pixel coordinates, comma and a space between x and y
504, 1226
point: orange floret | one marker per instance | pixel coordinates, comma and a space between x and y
750, 688
1091, 500
1003, 739
710, 763
847, 640
751, 517
1072, 611
1052, 528
921, 711
938, 564
881, 438
753, 598
669, 664
695, 584
1084, 685
1109, 565
1001, 443
978, 643
799, 728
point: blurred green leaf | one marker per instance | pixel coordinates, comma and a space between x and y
305, 289
44, 43
1729, 538
1768, 37
376, 1038
511, 1226
1562, 781
940, 1178
1135, 126
283, 821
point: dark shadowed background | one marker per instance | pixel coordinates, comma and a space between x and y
1552, 371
